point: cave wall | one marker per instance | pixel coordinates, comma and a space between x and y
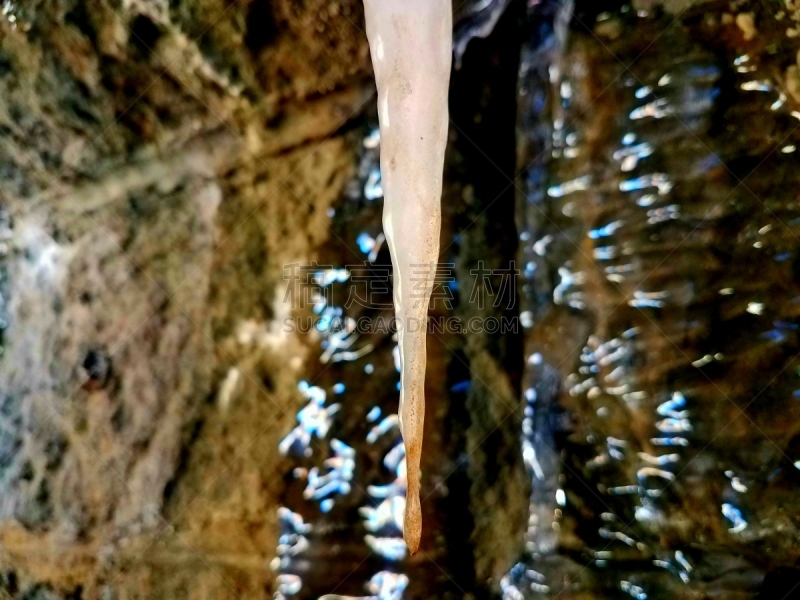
160, 163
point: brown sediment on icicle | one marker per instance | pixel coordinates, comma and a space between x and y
413, 425
412, 526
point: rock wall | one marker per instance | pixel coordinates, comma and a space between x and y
160, 163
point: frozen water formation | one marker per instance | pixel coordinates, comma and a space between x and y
411, 43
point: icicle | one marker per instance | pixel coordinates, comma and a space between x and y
410, 43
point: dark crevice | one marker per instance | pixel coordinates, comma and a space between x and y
144, 35
193, 431
261, 27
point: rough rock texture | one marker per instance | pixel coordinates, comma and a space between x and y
159, 164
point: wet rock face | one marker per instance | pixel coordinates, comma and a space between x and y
667, 199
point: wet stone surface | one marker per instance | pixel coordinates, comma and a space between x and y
662, 216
